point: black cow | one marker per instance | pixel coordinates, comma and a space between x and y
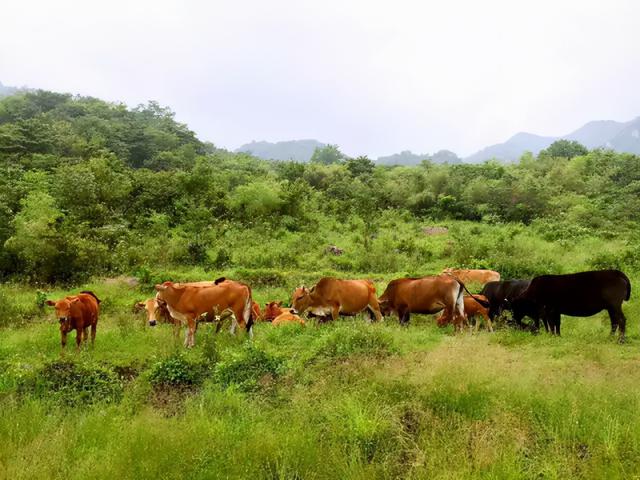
578, 295
501, 294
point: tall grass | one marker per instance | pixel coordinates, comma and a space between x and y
340, 400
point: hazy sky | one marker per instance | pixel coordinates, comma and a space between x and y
372, 77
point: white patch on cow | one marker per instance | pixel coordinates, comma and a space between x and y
321, 311
234, 325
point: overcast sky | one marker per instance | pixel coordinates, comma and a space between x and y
372, 77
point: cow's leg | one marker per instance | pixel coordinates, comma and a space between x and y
335, 312
618, 321
374, 307
613, 317
78, 338
553, 319
85, 336
63, 339
94, 327
487, 321
404, 316
234, 325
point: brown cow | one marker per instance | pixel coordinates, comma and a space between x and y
473, 276
273, 309
425, 295
331, 296
472, 308
287, 317
77, 312
187, 303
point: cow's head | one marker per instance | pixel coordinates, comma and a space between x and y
150, 307
386, 308
301, 299
63, 309
272, 310
523, 307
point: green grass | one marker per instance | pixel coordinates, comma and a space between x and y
343, 400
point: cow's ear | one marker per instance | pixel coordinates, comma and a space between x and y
51, 303
279, 304
75, 300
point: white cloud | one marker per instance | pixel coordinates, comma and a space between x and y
373, 77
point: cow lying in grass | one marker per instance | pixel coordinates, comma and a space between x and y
77, 312
287, 317
273, 309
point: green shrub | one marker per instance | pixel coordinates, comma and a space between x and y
176, 371
261, 277
346, 341
247, 368
69, 383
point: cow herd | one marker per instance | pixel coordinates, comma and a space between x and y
544, 298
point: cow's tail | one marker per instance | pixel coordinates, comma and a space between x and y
481, 302
246, 313
459, 306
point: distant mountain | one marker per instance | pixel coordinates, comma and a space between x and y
513, 148
627, 139
619, 136
406, 157
403, 158
298, 150
596, 134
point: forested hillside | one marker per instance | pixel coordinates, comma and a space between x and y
90, 187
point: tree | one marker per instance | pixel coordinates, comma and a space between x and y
327, 155
35, 239
360, 166
564, 149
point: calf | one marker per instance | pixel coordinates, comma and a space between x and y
287, 317
77, 312
273, 309
472, 308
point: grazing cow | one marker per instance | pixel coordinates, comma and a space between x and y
472, 308
427, 295
273, 309
77, 312
287, 317
333, 297
578, 295
187, 303
473, 276
501, 294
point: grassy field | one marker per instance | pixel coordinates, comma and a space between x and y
343, 400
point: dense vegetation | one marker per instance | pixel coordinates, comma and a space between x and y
101, 197
91, 188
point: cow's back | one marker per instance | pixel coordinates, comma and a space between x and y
90, 308
421, 295
579, 294
351, 295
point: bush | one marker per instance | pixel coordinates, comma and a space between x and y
248, 369
346, 341
176, 371
69, 383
